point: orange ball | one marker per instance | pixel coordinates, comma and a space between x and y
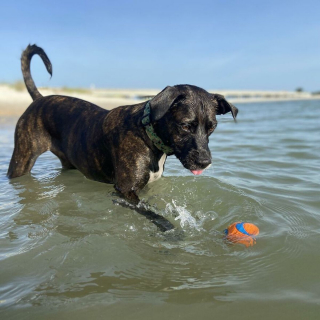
242, 232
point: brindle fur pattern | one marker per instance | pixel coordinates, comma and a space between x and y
112, 146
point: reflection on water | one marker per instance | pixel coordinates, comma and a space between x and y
65, 246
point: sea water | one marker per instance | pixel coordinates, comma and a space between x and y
68, 252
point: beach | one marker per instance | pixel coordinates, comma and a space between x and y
13, 101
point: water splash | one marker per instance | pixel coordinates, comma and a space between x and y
184, 216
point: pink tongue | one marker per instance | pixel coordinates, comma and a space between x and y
196, 172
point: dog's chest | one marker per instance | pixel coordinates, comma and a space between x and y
156, 175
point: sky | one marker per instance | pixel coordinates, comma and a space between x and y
227, 44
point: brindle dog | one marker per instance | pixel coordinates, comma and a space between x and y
126, 146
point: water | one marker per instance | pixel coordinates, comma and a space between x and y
67, 251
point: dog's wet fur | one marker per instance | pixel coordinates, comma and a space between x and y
112, 146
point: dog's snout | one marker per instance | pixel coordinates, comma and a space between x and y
204, 162
202, 158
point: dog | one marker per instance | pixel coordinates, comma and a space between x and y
126, 146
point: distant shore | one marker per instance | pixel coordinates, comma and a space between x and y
13, 101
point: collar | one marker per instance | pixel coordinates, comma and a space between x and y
150, 131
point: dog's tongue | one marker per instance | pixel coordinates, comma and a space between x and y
196, 172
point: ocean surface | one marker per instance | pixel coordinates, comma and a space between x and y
68, 252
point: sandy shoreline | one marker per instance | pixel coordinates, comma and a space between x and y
13, 102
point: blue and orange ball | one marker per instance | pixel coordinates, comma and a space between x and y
242, 232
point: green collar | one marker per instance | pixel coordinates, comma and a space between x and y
150, 131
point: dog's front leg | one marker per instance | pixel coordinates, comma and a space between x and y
133, 202
130, 195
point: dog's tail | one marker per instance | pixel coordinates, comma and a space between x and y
25, 67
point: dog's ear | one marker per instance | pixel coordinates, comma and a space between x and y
224, 106
162, 102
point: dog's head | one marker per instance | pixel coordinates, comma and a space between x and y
184, 117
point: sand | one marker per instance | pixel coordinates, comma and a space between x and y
14, 102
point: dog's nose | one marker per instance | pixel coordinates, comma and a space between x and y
204, 162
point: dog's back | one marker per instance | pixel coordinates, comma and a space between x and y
52, 123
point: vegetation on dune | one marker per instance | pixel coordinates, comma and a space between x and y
17, 85
20, 86
77, 90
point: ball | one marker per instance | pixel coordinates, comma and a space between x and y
242, 232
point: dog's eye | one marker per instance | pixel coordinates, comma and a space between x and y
185, 126
211, 128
